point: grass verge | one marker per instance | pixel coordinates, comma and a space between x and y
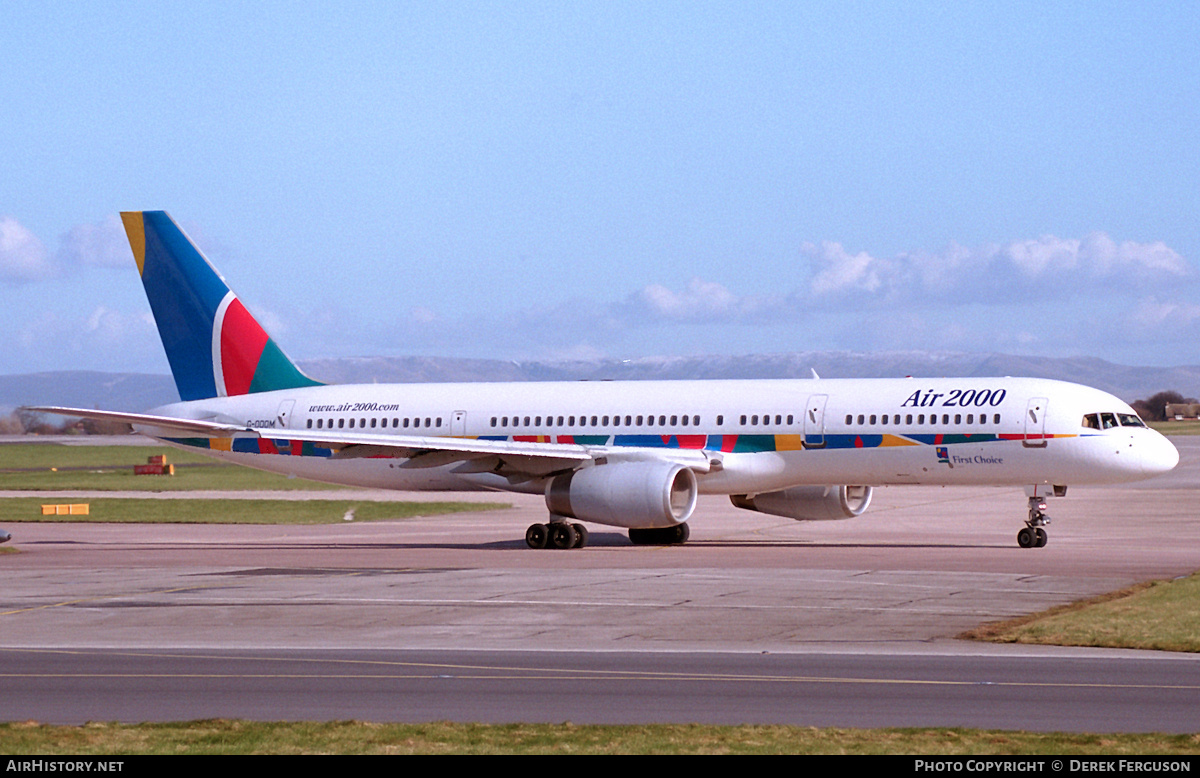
1159, 615
352, 737
46, 467
169, 511
1182, 427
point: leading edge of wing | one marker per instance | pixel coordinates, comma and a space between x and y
420, 450
158, 425
348, 445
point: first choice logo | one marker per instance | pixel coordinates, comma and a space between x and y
956, 398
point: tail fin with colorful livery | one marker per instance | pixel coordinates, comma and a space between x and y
215, 347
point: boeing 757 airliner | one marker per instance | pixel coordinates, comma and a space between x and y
631, 454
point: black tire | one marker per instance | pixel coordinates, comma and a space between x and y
537, 535
581, 535
562, 536
1041, 537
680, 533
1026, 538
641, 537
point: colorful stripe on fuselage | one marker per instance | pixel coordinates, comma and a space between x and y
735, 444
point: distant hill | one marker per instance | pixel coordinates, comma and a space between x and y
136, 392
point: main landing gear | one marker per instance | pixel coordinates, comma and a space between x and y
1033, 536
560, 534
660, 536
556, 534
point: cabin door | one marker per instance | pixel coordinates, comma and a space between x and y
814, 421
1035, 423
284, 417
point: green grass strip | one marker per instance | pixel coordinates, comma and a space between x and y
1159, 615
352, 737
203, 511
48, 466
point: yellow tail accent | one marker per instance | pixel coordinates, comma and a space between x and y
135, 228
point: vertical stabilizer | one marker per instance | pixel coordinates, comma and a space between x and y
215, 347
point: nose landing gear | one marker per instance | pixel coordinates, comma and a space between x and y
1032, 535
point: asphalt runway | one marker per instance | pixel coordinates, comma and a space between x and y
757, 620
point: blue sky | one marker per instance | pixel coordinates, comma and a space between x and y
540, 180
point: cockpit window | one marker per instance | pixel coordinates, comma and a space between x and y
1108, 421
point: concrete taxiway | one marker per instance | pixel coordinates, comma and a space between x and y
757, 619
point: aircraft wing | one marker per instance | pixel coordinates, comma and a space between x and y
166, 423
517, 459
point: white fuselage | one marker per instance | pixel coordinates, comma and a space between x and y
741, 436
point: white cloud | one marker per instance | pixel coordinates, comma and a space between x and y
23, 257
1060, 267
102, 243
837, 270
701, 300
1153, 315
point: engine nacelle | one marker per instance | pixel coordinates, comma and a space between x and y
809, 503
625, 494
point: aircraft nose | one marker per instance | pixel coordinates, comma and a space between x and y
1159, 456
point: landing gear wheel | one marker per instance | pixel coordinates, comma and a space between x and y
676, 535
1026, 538
537, 535
581, 535
680, 533
562, 536
1041, 535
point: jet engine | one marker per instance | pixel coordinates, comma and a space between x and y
809, 503
625, 494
